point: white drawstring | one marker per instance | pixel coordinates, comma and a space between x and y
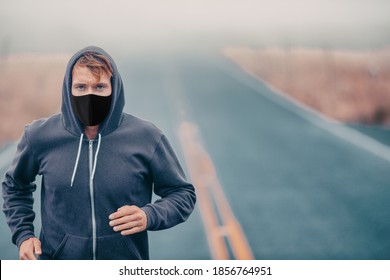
96, 155
77, 160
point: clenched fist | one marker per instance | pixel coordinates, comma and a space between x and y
128, 220
30, 249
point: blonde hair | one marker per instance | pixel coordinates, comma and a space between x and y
96, 63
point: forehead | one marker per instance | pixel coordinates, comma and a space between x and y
82, 74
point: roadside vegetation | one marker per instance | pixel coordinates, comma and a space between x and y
31, 87
349, 86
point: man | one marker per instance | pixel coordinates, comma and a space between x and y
99, 166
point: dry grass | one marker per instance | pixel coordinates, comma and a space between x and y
31, 87
349, 86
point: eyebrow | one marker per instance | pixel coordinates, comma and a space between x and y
83, 84
79, 84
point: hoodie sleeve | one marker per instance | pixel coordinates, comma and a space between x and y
177, 195
17, 188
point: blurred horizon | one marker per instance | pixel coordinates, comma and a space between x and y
144, 26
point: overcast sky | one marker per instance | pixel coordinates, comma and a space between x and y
44, 25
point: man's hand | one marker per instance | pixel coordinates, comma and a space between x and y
30, 249
128, 220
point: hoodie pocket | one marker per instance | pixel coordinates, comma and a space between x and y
116, 247
74, 248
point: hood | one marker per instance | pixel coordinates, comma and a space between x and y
113, 119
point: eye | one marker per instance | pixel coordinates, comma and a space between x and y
100, 87
80, 87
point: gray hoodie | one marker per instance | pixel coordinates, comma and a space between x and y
84, 181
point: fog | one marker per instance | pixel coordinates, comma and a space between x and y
134, 26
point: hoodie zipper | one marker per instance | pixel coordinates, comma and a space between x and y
92, 199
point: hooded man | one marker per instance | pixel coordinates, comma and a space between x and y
99, 167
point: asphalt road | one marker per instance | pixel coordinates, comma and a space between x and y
301, 187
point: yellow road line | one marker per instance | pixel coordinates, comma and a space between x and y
209, 190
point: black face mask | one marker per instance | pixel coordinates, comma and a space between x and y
91, 109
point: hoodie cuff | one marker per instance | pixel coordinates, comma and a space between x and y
150, 215
23, 237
